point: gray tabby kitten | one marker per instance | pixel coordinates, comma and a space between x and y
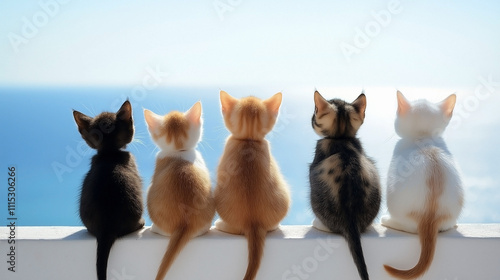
345, 185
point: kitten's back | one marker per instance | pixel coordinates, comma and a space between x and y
345, 186
111, 195
182, 190
424, 190
251, 195
180, 204
249, 187
180, 201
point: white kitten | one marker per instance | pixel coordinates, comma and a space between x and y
424, 189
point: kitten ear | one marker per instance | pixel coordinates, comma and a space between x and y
194, 114
403, 104
227, 101
360, 105
153, 121
125, 112
82, 121
448, 105
273, 104
320, 102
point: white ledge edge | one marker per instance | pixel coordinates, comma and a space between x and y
470, 251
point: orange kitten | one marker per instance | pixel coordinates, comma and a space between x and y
180, 201
251, 196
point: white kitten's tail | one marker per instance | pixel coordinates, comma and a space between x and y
428, 222
427, 232
178, 240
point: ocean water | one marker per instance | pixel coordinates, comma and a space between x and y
40, 140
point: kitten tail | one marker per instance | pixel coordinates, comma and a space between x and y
353, 238
178, 240
427, 232
103, 248
428, 223
256, 239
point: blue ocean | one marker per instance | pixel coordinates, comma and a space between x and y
41, 141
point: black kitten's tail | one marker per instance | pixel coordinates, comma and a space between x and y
353, 237
103, 248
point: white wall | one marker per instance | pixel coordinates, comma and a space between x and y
51, 253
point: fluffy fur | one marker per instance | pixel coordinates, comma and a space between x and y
424, 189
180, 201
251, 196
111, 195
345, 185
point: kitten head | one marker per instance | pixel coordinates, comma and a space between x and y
421, 118
176, 131
107, 131
337, 118
250, 118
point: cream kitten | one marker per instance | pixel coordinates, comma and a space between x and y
426, 195
180, 201
251, 196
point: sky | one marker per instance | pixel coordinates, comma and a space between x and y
280, 43
165, 55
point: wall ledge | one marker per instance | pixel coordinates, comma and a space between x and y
470, 251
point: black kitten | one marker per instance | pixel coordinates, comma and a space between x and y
345, 185
111, 197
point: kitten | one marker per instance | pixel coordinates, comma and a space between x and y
345, 185
428, 197
180, 201
251, 196
111, 195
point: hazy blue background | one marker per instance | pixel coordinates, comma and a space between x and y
90, 56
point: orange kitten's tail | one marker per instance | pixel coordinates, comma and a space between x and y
256, 239
177, 241
427, 232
